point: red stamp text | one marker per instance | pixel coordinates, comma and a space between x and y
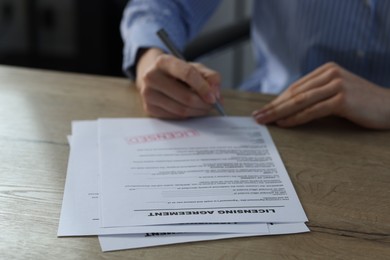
162, 136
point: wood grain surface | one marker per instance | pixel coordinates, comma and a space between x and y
341, 173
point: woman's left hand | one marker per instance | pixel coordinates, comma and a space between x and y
329, 90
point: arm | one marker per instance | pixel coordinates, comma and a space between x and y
170, 88
329, 90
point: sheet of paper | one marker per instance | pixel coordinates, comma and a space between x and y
219, 169
80, 214
121, 242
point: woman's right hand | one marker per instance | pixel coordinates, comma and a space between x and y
175, 89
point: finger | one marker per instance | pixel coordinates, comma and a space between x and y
317, 78
188, 74
175, 90
155, 99
160, 112
319, 110
211, 76
314, 74
299, 102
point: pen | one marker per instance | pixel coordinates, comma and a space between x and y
163, 35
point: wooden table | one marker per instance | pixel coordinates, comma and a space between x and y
341, 173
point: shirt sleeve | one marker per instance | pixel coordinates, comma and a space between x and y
182, 19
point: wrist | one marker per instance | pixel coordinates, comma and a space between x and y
145, 57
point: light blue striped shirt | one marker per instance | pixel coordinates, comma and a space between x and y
290, 37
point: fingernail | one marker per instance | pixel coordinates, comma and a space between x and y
260, 118
211, 98
216, 88
263, 110
255, 112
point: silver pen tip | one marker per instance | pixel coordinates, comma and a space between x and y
219, 108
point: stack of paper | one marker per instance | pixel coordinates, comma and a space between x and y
147, 182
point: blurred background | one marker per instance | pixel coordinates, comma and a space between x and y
83, 36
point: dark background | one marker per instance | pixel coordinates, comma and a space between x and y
68, 35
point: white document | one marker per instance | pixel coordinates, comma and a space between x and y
121, 242
80, 213
217, 169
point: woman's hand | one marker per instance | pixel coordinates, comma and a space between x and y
329, 90
174, 89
